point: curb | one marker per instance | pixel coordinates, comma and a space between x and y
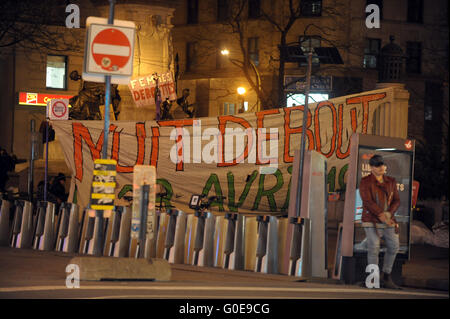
431, 283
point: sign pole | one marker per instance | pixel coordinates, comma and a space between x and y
302, 150
157, 97
46, 159
107, 90
98, 244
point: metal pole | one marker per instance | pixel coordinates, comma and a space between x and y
31, 165
107, 90
258, 84
46, 160
302, 149
98, 244
157, 97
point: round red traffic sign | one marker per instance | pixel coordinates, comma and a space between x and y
59, 109
111, 49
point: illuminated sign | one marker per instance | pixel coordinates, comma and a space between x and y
27, 98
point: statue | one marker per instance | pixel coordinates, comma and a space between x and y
85, 105
186, 109
165, 110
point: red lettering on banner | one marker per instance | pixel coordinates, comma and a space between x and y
80, 133
140, 135
260, 124
136, 95
222, 126
155, 146
179, 124
364, 100
317, 127
288, 131
148, 94
339, 154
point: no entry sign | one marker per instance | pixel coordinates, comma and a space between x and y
58, 109
109, 50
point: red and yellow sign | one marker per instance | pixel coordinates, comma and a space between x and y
26, 98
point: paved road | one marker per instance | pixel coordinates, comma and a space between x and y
36, 274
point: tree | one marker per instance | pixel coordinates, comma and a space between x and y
36, 25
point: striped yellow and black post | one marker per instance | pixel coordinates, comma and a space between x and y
103, 184
102, 198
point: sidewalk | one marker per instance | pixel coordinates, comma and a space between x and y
427, 268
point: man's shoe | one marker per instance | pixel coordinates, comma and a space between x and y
389, 283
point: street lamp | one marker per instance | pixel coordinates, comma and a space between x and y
241, 91
326, 55
226, 52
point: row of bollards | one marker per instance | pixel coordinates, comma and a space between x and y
231, 241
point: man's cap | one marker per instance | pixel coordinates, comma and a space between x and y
376, 160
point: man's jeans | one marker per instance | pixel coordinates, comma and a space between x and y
391, 240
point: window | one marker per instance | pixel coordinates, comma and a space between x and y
254, 9
192, 11
414, 57
311, 8
223, 10
371, 52
300, 99
379, 3
415, 11
433, 102
307, 44
56, 72
253, 51
433, 112
191, 55
228, 109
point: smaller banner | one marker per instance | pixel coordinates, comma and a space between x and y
103, 184
143, 89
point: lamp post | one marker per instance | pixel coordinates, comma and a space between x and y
226, 52
241, 91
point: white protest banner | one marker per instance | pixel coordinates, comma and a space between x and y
246, 157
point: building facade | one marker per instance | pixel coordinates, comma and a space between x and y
31, 76
252, 30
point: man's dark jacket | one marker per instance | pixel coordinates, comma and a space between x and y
378, 197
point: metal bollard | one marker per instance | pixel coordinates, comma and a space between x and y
121, 248
96, 242
270, 259
206, 253
237, 257
189, 239
39, 224
162, 226
5, 213
112, 231
23, 225
62, 225
199, 236
174, 248
262, 241
229, 241
47, 239
87, 232
296, 245
17, 222
25, 238
220, 236
71, 241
